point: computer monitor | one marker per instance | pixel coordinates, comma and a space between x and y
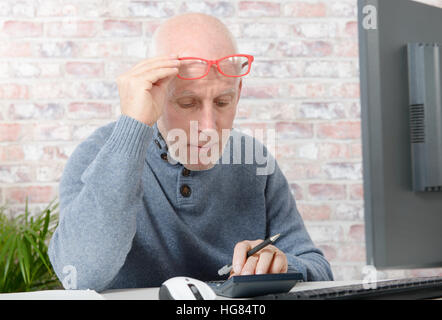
401, 72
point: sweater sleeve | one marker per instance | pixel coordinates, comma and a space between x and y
100, 195
283, 217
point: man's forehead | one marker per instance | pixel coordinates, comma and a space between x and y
200, 90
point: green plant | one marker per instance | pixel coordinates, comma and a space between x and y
24, 260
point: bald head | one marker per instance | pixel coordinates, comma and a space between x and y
193, 34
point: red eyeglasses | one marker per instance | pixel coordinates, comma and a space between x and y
235, 65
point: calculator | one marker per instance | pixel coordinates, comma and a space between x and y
255, 285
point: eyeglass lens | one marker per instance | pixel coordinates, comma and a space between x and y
232, 66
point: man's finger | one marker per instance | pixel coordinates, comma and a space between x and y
264, 262
156, 75
168, 63
279, 264
152, 60
250, 265
240, 255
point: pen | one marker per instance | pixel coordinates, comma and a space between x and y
227, 268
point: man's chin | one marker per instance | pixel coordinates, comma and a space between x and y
199, 159
196, 166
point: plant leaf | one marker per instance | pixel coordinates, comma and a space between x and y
10, 256
26, 211
7, 244
45, 228
23, 260
41, 256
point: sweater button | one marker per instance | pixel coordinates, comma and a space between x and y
164, 156
185, 172
185, 190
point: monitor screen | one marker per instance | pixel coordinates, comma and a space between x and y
403, 205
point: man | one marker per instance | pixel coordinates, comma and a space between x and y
133, 213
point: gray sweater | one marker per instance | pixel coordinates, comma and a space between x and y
126, 220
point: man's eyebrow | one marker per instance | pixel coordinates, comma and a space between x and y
228, 91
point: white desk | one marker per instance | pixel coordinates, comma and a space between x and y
147, 293
152, 293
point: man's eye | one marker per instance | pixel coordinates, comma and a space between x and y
222, 103
186, 103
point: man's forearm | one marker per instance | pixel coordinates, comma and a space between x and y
98, 206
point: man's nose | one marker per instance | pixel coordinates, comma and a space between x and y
207, 117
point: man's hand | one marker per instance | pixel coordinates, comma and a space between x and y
267, 260
143, 88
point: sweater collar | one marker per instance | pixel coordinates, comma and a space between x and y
158, 139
